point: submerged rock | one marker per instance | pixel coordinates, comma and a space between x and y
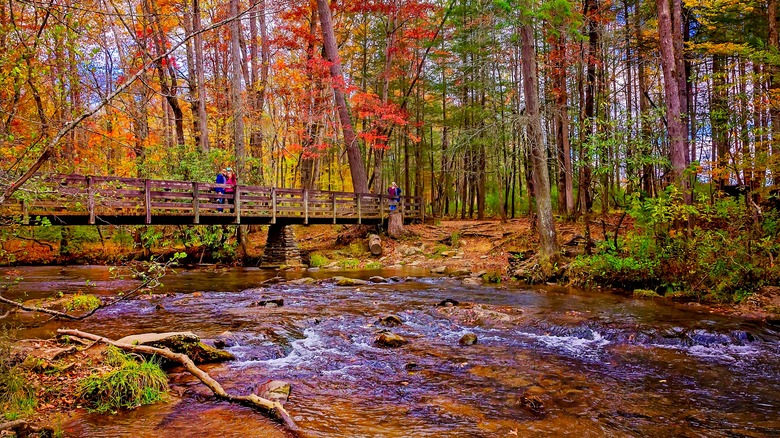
345, 281
646, 294
302, 280
180, 342
275, 390
391, 340
391, 321
449, 302
277, 302
468, 339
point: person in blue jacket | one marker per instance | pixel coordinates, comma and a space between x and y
220, 180
395, 192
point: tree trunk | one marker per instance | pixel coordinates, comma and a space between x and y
395, 224
237, 91
719, 120
375, 244
548, 246
676, 128
354, 155
774, 89
201, 79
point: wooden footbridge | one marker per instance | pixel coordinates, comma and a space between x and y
108, 200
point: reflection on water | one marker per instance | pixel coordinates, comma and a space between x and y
547, 362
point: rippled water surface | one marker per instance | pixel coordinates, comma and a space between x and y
548, 362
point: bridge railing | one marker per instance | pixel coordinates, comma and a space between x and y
96, 197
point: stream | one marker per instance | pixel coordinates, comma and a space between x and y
549, 361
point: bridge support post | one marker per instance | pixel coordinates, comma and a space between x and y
281, 247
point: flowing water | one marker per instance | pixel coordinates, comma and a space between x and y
548, 362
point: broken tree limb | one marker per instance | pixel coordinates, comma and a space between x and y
272, 409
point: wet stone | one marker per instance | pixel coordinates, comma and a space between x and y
468, 339
344, 281
391, 340
377, 279
391, 321
449, 302
278, 302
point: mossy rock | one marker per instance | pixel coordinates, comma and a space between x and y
181, 342
646, 294
345, 281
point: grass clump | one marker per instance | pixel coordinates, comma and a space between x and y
373, 265
492, 276
17, 397
82, 302
318, 260
349, 263
130, 383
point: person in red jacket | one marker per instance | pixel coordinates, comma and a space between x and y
231, 181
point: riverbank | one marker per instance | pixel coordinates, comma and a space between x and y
485, 250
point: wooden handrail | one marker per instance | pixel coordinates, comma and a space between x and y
78, 199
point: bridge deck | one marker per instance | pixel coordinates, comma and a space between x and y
101, 200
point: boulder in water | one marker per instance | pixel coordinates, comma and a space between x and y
345, 281
180, 342
449, 302
377, 279
468, 339
391, 321
278, 302
302, 280
389, 339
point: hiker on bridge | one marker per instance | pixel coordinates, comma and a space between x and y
231, 181
220, 190
395, 192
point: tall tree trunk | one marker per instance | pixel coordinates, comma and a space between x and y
237, 88
548, 246
354, 155
719, 120
774, 89
677, 133
566, 186
591, 12
200, 72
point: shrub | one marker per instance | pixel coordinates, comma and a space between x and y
129, 384
318, 260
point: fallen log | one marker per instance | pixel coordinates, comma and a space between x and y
272, 409
375, 244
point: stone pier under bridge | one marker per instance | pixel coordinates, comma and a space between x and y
281, 247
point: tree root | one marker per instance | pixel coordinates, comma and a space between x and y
272, 409
23, 428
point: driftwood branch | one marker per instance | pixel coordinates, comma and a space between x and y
273, 409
